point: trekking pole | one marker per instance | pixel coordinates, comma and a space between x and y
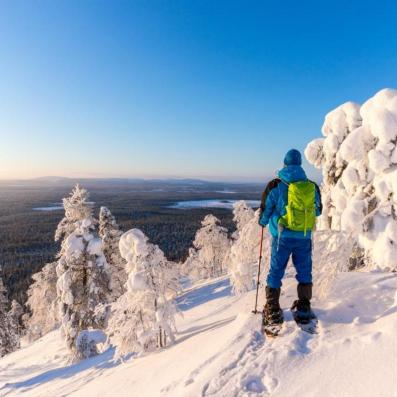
255, 311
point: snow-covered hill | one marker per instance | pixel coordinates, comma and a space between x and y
219, 351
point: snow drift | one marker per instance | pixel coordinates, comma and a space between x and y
219, 352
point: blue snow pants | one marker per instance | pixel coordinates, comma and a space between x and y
282, 249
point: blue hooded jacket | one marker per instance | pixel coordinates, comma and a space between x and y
277, 199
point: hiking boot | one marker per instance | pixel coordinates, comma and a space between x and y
302, 305
305, 291
272, 313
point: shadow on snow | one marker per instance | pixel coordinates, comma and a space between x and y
206, 293
103, 360
189, 300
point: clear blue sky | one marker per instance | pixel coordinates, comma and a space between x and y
213, 89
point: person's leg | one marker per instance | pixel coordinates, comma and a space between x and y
278, 262
302, 260
281, 250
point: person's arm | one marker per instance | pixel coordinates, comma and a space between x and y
270, 186
270, 205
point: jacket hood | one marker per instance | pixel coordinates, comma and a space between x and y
292, 173
293, 157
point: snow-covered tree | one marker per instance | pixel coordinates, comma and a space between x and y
83, 280
244, 255
110, 233
16, 312
332, 251
242, 214
3, 294
358, 157
9, 335
324, 153
209, 256
142, 319
42, 303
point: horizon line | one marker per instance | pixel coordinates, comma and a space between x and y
224, 179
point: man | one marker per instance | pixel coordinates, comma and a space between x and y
290, 204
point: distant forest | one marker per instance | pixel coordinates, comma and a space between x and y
27, 235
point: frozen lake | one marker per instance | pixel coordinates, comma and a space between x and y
212, 203
52, 207
56, 207
183, 205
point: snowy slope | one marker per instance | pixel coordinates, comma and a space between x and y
219, 351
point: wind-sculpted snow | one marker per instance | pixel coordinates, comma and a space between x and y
358, 158
219, 352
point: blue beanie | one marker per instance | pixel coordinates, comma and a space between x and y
293, 157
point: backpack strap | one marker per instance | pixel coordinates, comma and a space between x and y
318, 190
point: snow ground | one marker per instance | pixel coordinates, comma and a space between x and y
219, 351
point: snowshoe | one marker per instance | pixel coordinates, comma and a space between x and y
304, 316
272, 321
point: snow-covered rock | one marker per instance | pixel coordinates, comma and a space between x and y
87, 341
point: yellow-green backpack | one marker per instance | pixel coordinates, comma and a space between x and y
301, 207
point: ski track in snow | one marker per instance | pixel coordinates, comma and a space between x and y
220, 352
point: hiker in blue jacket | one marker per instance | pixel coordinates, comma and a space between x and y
286, 241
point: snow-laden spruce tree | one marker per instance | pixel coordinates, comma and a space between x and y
242, 214
142, 319
332, 252
324, 153
210, 252
42, 303
3, 294
83, 280
110, 233
244, 255
16, 313
9, 335
360, 185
